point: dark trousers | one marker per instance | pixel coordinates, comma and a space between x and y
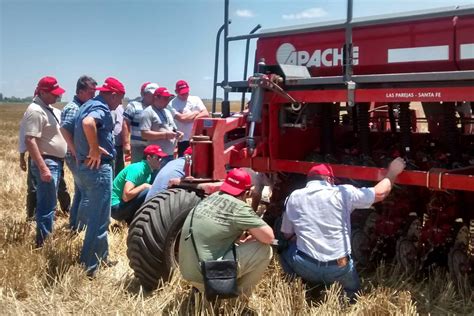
119, 162
63, 196
182, 146
125, 211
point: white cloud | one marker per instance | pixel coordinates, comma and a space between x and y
306, 14
244, 13
207, 78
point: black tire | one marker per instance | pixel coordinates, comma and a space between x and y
153, 235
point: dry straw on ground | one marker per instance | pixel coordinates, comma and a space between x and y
49, 281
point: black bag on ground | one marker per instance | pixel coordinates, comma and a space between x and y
219, 276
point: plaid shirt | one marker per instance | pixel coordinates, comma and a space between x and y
69, 113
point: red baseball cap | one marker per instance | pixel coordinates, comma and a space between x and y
236, 182
321, 170
182, 87
154, 150
144, 86
112, 85
188, 151
162, 92
49, 84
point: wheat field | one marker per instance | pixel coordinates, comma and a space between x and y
49, 280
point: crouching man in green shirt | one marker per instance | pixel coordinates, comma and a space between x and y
219, 221
131, 185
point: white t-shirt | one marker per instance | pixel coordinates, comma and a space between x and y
192, 104
320, 217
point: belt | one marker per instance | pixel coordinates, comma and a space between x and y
52, 157
342, 262
102, 161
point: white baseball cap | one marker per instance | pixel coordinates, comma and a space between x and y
151, 87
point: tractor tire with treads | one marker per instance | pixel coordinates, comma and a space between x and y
153, 235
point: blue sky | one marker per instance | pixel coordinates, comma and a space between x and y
148, 40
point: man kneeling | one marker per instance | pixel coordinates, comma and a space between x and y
131, 185
218, 222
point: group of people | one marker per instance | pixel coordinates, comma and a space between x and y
316, 226
315, 223
94, 135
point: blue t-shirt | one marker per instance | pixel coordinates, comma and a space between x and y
100, 112
173, 169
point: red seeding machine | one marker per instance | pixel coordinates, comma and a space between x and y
354, 94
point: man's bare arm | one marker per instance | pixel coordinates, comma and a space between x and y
126, 137
152, 135
263, 234
35, 154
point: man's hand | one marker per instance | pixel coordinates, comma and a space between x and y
174, 181
93, 159
22, 163
170, 135
397, 166
127, 149
45, 175
180, 135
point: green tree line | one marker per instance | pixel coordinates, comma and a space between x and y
14, 99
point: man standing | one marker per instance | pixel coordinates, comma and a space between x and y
131, 134
47, 148
25, 165
185, 109
218, 222
93, 140
117, 116
131, 185
85, 90
158, 126
319, 218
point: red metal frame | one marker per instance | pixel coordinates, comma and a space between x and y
283, 149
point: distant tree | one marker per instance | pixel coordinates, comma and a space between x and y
14, 99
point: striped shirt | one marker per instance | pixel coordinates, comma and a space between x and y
133, 114
320, 217
69, 112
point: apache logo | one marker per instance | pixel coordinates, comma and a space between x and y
287, 54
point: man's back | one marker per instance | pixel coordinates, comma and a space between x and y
218, 221
173, 169
319, 215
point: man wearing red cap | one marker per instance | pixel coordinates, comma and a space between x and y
131, 185
47, 149
218, 222
132, 140
186, 108
158, 126
171, 173
318, 217
95, 151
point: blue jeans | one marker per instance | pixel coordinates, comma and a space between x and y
96, 190
125, 211
319, 273
75, 220
46, 198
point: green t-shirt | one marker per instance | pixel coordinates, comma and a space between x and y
137, 173
218, 221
